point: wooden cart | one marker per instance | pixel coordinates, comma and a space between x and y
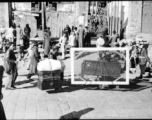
99, 68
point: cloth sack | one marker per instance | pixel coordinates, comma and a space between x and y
49, 65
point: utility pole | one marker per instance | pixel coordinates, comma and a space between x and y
10, 13
43, 26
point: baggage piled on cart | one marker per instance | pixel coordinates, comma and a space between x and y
49, 77
99, 68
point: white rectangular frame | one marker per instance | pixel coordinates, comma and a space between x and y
97, 82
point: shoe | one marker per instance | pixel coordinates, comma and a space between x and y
9, 88
13, 87
140, 77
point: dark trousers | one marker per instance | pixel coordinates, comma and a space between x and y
142, 68
14, 77
2, 113
62, 76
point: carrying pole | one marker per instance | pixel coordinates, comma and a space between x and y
42, 4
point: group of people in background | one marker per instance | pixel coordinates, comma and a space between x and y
16, 35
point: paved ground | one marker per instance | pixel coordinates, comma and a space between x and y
84, 102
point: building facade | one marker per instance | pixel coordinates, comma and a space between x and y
133, 16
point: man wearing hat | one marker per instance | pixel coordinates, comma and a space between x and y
19, 40
34, 59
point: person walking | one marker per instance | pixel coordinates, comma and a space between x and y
67, 31
81, 33
46, 43
19, 40
72, 40
10, 35
77, 36
143, 59
113, 38
2, 112
63, 42
10, 65
34, 59
28, 55
27, 31
87, 38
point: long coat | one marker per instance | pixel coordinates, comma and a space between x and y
46, 44
34, 58
18, 35
81, 33
144, 61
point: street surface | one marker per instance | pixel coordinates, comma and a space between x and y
77, 101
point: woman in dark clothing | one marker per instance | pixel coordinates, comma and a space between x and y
67, 31
2, 113
27, 31
34, 60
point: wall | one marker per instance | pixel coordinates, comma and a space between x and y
125, 14
4, 16
118, 15
24, 6
135, 18
147, 17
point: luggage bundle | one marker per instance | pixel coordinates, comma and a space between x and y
49, 74
49, 79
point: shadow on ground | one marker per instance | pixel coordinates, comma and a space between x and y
135, 85
75, 115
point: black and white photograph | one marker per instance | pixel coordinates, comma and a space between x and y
100, 66
75, 60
